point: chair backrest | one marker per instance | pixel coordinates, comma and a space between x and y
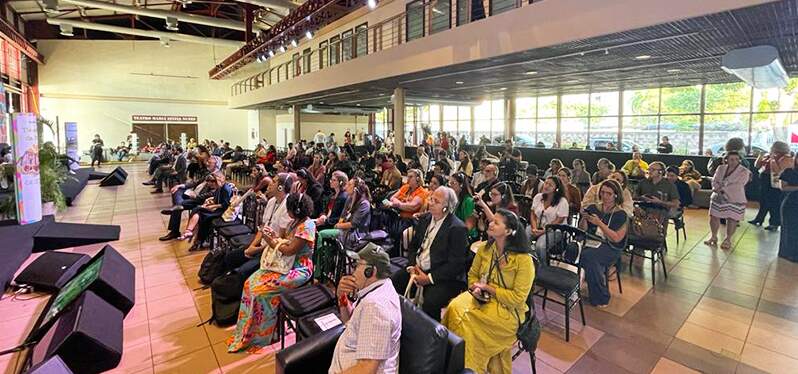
564, 244
425, 343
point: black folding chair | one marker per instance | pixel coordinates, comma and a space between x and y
637, 246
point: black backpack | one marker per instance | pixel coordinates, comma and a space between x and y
212, 266
226, 292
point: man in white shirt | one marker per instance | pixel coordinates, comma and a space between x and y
319, 137
438, 254
370, 342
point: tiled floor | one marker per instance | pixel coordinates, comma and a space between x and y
719, 311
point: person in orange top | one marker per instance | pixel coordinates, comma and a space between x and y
410, 198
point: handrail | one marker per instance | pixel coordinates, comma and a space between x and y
386, 34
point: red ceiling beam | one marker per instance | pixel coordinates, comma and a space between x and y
312, 15
13, 37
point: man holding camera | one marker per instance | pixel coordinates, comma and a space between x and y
370, 342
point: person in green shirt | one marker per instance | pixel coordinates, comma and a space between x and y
465, 208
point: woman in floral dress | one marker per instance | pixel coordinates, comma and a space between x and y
257, 316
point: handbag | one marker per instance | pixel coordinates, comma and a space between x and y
647, 226
528, 333
274, 260
418, 298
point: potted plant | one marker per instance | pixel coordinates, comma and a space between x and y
52, 172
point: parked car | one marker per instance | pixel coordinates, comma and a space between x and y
753, 150
600, 144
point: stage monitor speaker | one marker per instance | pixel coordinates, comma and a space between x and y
115, 178
87, 336
52, 270
116, 282
53, 365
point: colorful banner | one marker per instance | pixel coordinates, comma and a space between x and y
71, 133
26, 156
3, 117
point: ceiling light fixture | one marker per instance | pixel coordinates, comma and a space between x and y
282, 48
642, 57
165, 42
673, 70
171, 24
67, 30
459, 82
531, 72
308, 34
293, 43
271, 53
503, 89
372, 4
573, 81
50, 6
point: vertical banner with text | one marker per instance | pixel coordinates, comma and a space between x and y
26, 156
3, 117
71, 134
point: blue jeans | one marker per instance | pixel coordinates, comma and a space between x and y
594, 262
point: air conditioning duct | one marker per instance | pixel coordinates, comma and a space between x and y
758, 66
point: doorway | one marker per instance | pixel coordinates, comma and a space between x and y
156, 133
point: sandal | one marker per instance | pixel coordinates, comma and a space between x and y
711, 242
726, 244
186, 236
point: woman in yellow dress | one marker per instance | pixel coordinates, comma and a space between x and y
487, 316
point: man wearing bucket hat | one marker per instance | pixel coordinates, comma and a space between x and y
370, 342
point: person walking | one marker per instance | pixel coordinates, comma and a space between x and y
728, 198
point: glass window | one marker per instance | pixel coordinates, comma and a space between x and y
525, 132
573, 130
322, 54
361, 40
682, 131
497, 109
449, 113
501, 6
296, 64
464, 122
482, 111
575, 105
604, 104
335, 50
441, 16
640, 131
641, 102
547, 131
347, 45
720, 127
525, 107
728, 98
603, 130
547, 106
462, 12
306, 60
415, 20
681, 100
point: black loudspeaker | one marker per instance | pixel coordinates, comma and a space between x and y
87, 336
52, 270
115, 178
53, 365
116, 282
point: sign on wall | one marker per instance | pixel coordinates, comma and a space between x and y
26, 155
151, 118
71, 133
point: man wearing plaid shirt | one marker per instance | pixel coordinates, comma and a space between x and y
370, 342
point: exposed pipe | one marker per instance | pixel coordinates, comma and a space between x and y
146, 33
163, 14
284, 5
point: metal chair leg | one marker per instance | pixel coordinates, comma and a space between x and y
568, 319
653, 269
545, 297
582, 311
664, 268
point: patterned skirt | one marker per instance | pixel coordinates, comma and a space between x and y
257, 316
727, 210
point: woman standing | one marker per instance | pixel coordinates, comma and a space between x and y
788, 245
96, 150
487, 316
770, 167
728, 198
607, 220
258, 312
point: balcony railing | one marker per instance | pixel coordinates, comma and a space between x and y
420, 19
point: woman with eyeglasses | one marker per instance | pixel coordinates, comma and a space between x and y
487, 316
608, 221
591, 196
501, 197
409, 200
728, 199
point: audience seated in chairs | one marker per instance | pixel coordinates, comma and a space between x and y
658, 190
257, 318
550, 207
533, 183
465, 202
438, 254
487, 316
317, 169
356, 217
608, 222
685, 194
335, 206
579, 175
411, 197
370, 342
391, 177
605, 167
479, 176
199, 223
501, 197
188, 196
176, 170
490, 174
554, 166
690, 175
572, 192
636, 168
591, 197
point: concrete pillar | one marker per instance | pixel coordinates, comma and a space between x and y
509, 117
267, 124
399, 121
296, 111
